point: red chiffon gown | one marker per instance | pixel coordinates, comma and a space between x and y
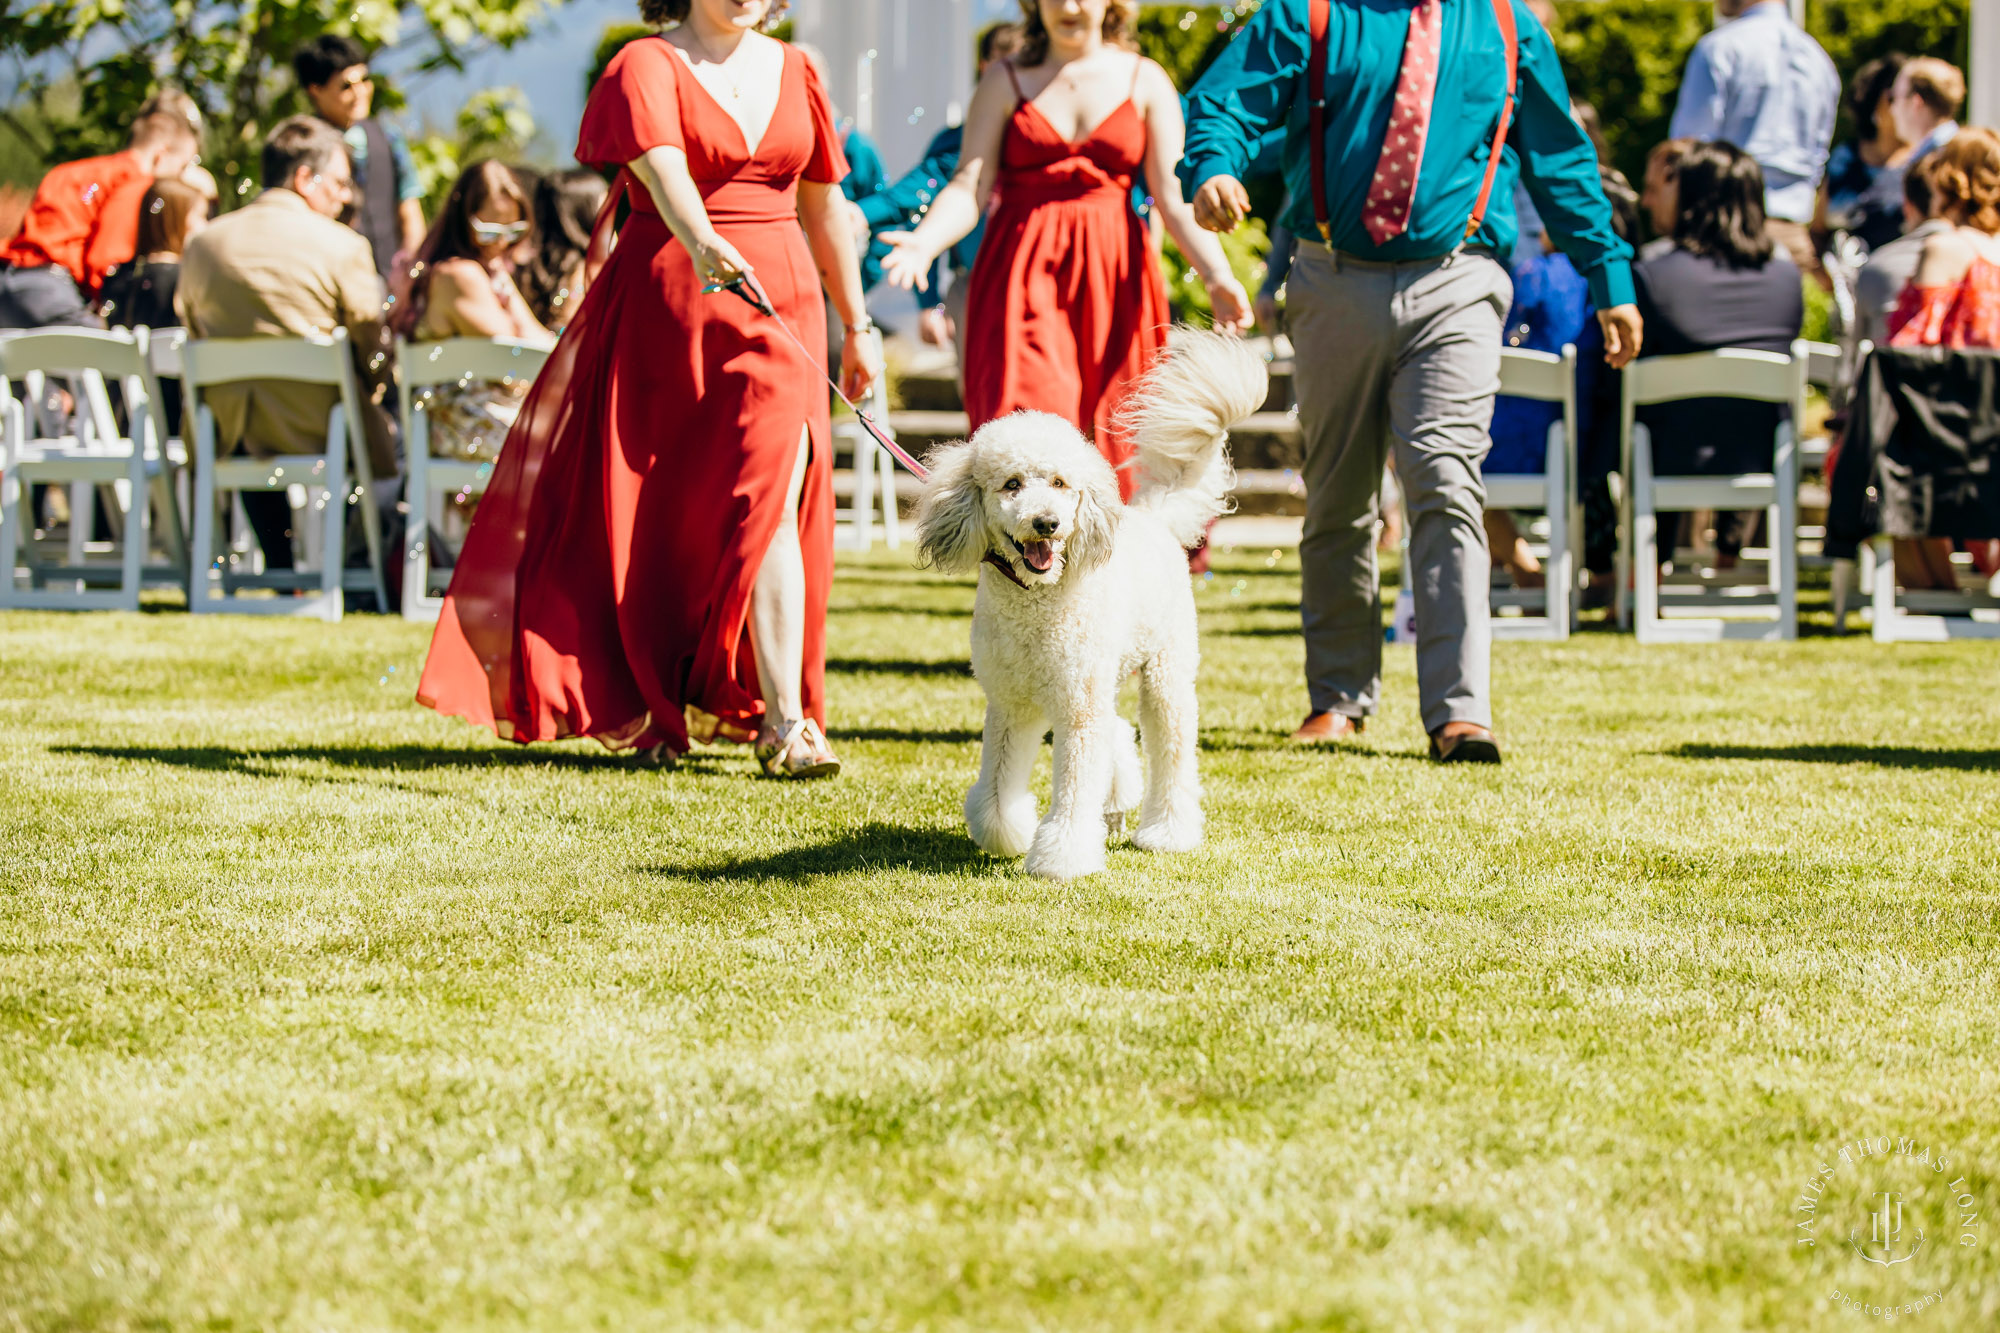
604, 588
1067, 308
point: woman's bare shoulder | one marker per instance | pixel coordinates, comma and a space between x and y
1946, 257
458, 273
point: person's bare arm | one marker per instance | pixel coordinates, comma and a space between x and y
664, 173
1166, 133
1945, 259
823, 212
474, 304
410, 219
958, 207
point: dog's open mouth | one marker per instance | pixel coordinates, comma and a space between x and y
1038, 556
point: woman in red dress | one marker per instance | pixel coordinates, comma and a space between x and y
1954, 301
650, 563
1067, 307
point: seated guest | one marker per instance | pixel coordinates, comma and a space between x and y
285, 267
1658, 199
1862, 193
1924, 103
462, 286
141, 294
1879, 285
556, 272
1724, 284
84, 221
1551, 308
1954, 301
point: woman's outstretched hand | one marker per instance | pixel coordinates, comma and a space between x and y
907, 264
718, 262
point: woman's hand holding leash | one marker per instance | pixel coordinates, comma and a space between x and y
861, 362
718, 262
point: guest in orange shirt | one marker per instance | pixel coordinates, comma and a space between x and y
83, 222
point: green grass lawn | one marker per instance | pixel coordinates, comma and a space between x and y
318, 1011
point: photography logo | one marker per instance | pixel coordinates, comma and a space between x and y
1891, 1224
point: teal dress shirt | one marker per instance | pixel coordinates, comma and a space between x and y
866, 176
1257, 86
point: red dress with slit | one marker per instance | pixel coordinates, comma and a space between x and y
1067, 308
604, 588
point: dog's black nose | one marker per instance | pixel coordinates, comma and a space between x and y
1046, 527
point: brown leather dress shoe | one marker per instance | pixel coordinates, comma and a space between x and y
1464, 743
1322, 728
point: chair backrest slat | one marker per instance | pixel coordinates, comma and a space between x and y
211, 361
1731, 372
453, 359
1822, 364
113, 353
1529, 374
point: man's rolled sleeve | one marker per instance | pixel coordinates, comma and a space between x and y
1559, 167
1246, 93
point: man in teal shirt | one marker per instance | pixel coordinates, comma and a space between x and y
1396, 314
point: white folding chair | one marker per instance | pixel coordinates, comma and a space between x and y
859, 514
1549, 378
421, 368
331, 481
137, 470
1697, 609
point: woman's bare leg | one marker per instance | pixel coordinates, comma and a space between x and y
778, 607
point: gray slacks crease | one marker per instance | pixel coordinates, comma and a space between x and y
1402, 356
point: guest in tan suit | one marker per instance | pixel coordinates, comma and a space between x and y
285, 267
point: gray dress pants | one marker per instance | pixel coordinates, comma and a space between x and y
1402, 356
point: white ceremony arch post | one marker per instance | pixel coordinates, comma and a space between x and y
901, 68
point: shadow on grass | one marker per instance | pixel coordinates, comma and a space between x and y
896, 666
1227, 741
889, 609
912, 735
228, 759
1883, 756
871, 847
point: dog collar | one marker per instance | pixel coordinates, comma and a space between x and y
993, 559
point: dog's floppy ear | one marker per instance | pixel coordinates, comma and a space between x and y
951, 515
1098, 510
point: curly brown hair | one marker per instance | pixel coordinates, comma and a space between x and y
659, 13
1120, 29
1965, 176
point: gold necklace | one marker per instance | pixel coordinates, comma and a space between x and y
735, 89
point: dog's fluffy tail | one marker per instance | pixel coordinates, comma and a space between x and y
1180, 418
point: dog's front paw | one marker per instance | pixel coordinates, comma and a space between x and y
1002, 828
1060, 853
1174, 831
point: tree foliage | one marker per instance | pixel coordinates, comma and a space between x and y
91, 63
1625, 57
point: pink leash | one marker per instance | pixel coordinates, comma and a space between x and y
751, 292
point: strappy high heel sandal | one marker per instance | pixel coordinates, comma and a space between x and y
800, 750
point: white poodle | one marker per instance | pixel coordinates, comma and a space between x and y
1076, 592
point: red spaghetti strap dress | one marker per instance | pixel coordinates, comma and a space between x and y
604, 588
1067, 308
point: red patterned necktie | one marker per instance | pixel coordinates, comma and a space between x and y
1387, 212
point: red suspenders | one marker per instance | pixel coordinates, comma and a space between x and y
1321, 15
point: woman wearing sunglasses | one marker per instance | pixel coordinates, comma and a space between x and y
462, 286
